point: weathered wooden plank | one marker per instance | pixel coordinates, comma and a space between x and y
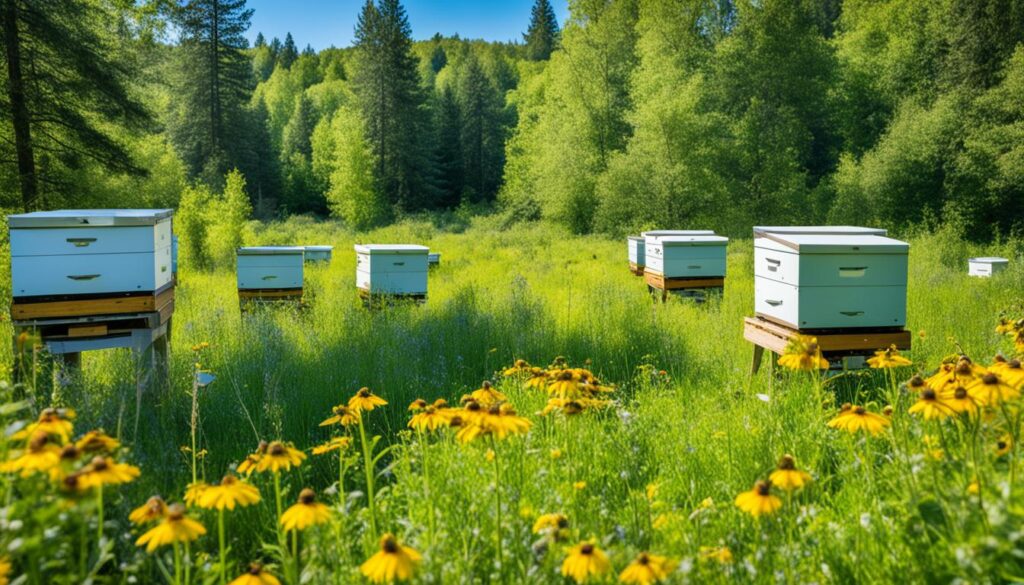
93, 306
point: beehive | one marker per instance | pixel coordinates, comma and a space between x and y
90, 253
318, 253
635, 251
266, 268
659, 233
821, 278
392, 269
986, 266
686, 256
434, 259
174, 255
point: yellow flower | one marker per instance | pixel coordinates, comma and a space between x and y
307, 512
858, 418
200, 346
931, 406
538, 379
153, 509
365, 400
803, 353
787, 477
175, 527
759, 501
417, 405
248, 465
990, 390
342, 415
40, 456
974, 488
1003, 445
556, 453
52, 421
565, 384
487, 395
230, 493
1010, 371
499, 421
550, 523
105, 471
280, 457
5, 571
334, 444
888, 358
960, 401
585, 561
97, 442
429, 419
194, 491
651, 491
646, 569
393, 562
255, 575
721, 554
579, 485
520, 367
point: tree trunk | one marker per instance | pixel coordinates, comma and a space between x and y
19, 105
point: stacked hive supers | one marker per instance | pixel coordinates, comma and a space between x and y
987, 266
392, 270
270, 273
684, 261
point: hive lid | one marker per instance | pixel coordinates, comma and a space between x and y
661, 233
635, 238
672, 241
989, 260
88, 218
318, 248
271, 250
761, 230
832, 244
391, 249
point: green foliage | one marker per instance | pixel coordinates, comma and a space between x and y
343, 157
542, 35
190, 222
227, 216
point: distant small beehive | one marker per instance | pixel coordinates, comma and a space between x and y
275, 268
174, 255
434, 259
635, 250
318, 253
392, 269
986, 266
686, 256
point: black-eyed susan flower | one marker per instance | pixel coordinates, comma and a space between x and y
154, 509
417, 405
175, 527
551, 524
565, 384
960, 401
279, 457
41, 455
194, 491
499, 421
487, 394
537, 378
520, 367
393, 562
1003, 445
990, 390
256, 574
858, 418
364, 400
305, 513
334, 444
718, 554
342, 415
759, 501
105, 471
97, 442
647, 569
229, 493
585, 562
931, 406
787, 477
944, 379
1009, 370
5, 571
888, 358
52, 421
803, 353
429, 419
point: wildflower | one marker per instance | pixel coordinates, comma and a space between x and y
960, 401
888, 358
803, 353
787, 476
429, 419
280, 457
417, 405
334, 444
499, 421
97, 442
720, 554
393, 562
305, 513
651, 491
487, 395
550, 524
990, 390
440, 404
520, 367
538, 379
175, 527
1003, 445
255, 575
565, 384
230, 493
342, 415
5, 571
858, 418
585, 561
365, 400
556, 453
41, 455
646, 569
105, 471
579, 486
974, 488
200, 346
153, 509
916, 384
194, 491
52, 421
944, 379
931, 406
248, 465
759, 500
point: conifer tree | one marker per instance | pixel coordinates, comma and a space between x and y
542, 36
479, 106
261, 41
289, 53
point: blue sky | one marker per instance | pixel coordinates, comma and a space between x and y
322, 23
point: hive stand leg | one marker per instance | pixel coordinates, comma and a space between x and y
756, 364
143, 356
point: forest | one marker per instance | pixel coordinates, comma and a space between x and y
632, 113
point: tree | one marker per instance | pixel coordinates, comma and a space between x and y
260, 41
480, 132
542, 35
449, 148
64, 86
288, 53
209, 98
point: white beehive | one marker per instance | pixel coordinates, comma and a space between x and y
986, 266
636, 251
270, 267
815, 279
90, 252
434, 259
398, 269
659, 233
689, 256
318, 253
174, 253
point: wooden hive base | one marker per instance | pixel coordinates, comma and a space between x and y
251, 298
636, 269
696, 288
26, 309
379, 300
835, 343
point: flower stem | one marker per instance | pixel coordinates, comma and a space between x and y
177, 563
223, 552
99, 514
426, 490
187, 561
368, 464
497, 507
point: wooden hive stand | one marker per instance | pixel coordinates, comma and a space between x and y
636, 269
836, 344
384, 300
251, 298
690, 287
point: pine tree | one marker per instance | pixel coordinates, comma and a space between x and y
542, 36
275, 47
61, 78
261, 41
308, 51
449, 149
482, 143
289, 53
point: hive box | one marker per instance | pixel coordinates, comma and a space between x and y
816, 279
394, 269
434, 259
659, 233
270, 267
689, 256
174, 254
318, 253
635, 246
95, 252
986, 266
824, 230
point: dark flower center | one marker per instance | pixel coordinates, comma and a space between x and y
69, 453
307, 496
486, 385
389, 545
176, 512
643, 559
100, 464
455, 422
860, 411
565, 376
262, 447
1001, 445
587, 549
255, 569
364, 392
916, 382
787, 462
960, 393
1015, 364
990, 379
277, 449
473, 406
563, 522
764, 488
928, 394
